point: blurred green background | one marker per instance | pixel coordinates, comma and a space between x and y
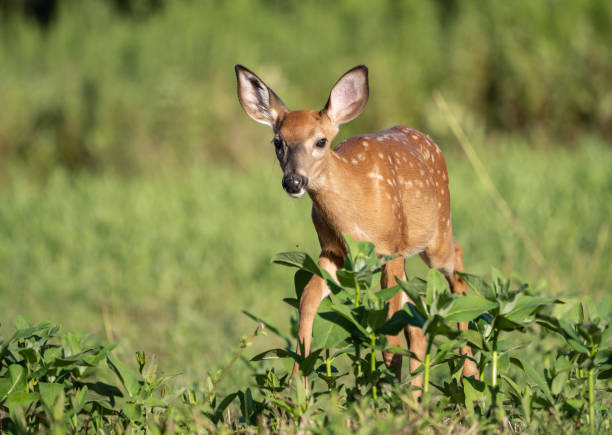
138, 201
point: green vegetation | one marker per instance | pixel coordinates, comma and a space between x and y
101, 90
556, 374
138, 203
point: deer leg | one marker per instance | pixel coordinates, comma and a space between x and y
391, 270
449, 264
418, 346
311, 298
458, 285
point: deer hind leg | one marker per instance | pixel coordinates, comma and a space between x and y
448, 259
391, 270
414, 336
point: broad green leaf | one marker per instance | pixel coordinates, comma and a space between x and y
16, 381
49, 392
330, 328
277, 353
346, 312
436, 284
400, 319
474, 391
298, 393
524, 306
535, 376
218, 415
474, 338
479, 285
128, 377
300, 260
300, 279
559, 382
468, 307
376, 318
577, 346
387, 293
411, 288
21, 399
292, 302
307, 364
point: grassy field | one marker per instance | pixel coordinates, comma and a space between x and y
139, 204
169, 260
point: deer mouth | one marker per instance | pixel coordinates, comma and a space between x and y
297, 194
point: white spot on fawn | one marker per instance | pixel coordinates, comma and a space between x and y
353, 161
380, 155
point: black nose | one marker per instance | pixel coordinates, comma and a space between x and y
293, 183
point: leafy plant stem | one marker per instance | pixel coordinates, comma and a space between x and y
591, 400
427, 363
327, 363
373, 362
494, 358
243, 346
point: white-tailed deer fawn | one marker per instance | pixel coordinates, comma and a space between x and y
389, 188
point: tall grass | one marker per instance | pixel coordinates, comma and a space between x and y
102, 90
169, 260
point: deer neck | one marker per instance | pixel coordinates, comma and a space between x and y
333, 193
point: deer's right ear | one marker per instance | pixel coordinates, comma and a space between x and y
257, 99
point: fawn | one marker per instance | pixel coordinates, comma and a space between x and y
389, 188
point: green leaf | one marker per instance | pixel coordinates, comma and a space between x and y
49, 392
474, 338
524, 306
436, 284
300, 279
387, 293
128, 377
20, 399
535, 376
277, 353
376, 318
298, 393
15, 382
346, 312
411, 288
467, 307
330, 328
218, 415
479, 285
474, 391
301, 260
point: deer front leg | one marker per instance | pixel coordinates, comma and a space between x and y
311, 298
391, 270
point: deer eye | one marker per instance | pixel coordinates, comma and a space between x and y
321, 143
278, 145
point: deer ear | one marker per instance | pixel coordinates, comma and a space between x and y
349, 96
257, 99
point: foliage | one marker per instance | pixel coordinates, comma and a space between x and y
99, 91
53, 381
152, 261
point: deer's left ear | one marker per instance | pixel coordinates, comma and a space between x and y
349, 96
257, 99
